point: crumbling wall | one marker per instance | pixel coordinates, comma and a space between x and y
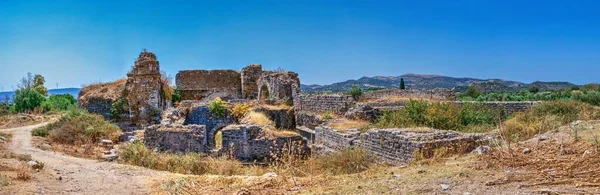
201, 116
176, 138
198, 84
507, 107
279, 85
247, 143
143, 90
432, 94
282, 117
337, 104
307, 119
397, 145
98, 98
250, 76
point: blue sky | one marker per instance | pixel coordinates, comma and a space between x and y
82, 41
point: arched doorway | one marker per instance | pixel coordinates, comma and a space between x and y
217, 139
264, 93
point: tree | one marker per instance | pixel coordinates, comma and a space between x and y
27, 99
355, 92
533, 89
472, 92
38, 85
402, 83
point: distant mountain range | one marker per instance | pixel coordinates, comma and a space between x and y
73, 91
421, 81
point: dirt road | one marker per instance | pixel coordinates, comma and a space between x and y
70, 175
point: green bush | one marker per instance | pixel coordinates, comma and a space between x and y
470, 117
42, 132
590, 97
118, 108
27, 100
217, 107
80, 127
355, 92
59, 102
5, 109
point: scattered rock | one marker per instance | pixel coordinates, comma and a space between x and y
397, 176
526, 151
243, 191
543, 138
481, 150
586, 153
59, 178
3, 138
271, 174
445, 187
32, 163
466, 193
106, 141
109, 157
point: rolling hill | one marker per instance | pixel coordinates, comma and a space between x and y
421, 81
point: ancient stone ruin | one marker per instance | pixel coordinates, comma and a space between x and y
190, 126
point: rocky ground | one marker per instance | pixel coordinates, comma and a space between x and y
70, 175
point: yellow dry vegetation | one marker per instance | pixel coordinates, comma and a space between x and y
256, 118
346, 124
109, 90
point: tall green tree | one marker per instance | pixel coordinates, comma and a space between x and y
402, 83
38, 85
356, 92
472, 92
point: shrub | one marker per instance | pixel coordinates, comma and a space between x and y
27, 100
118, 108
327, 115
472, 92
5, 109
78, 127
469, 117
545, 117
59, 102
41, 132
590, 97
217, 107
240, 110
191, 163
355, 92
533, 89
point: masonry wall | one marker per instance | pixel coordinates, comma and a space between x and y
200, 115
250, 76
177, 138
197, 84
283, 118
433, 94
508, 107
247, 144
396, 145
99, 106
338, 104
307, 119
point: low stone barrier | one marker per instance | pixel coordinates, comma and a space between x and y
176, 138
247, 143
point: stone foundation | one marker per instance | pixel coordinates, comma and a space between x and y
337, 104
248, 143
176, 138
282, 117
432, 94
396, 146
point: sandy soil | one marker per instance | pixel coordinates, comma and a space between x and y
70, 175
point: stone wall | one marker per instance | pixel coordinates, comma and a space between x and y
201, 116
198, 84
278, 85
143, 90
396, 145
337, 104
250, 76
246, 143
176, 138
99, 106
507, 107
433, 94
307, 119
283, 118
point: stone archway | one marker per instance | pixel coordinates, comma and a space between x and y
213, 136
217, 139
263, 93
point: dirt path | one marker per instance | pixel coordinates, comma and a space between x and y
70, 175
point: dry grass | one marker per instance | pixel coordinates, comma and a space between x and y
272, 132
110, 90
23, 173
276, 107
346, 124
257, 118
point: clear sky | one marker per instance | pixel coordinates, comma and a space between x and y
82, 41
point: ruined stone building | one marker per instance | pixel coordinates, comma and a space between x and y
251, 83
143, 91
